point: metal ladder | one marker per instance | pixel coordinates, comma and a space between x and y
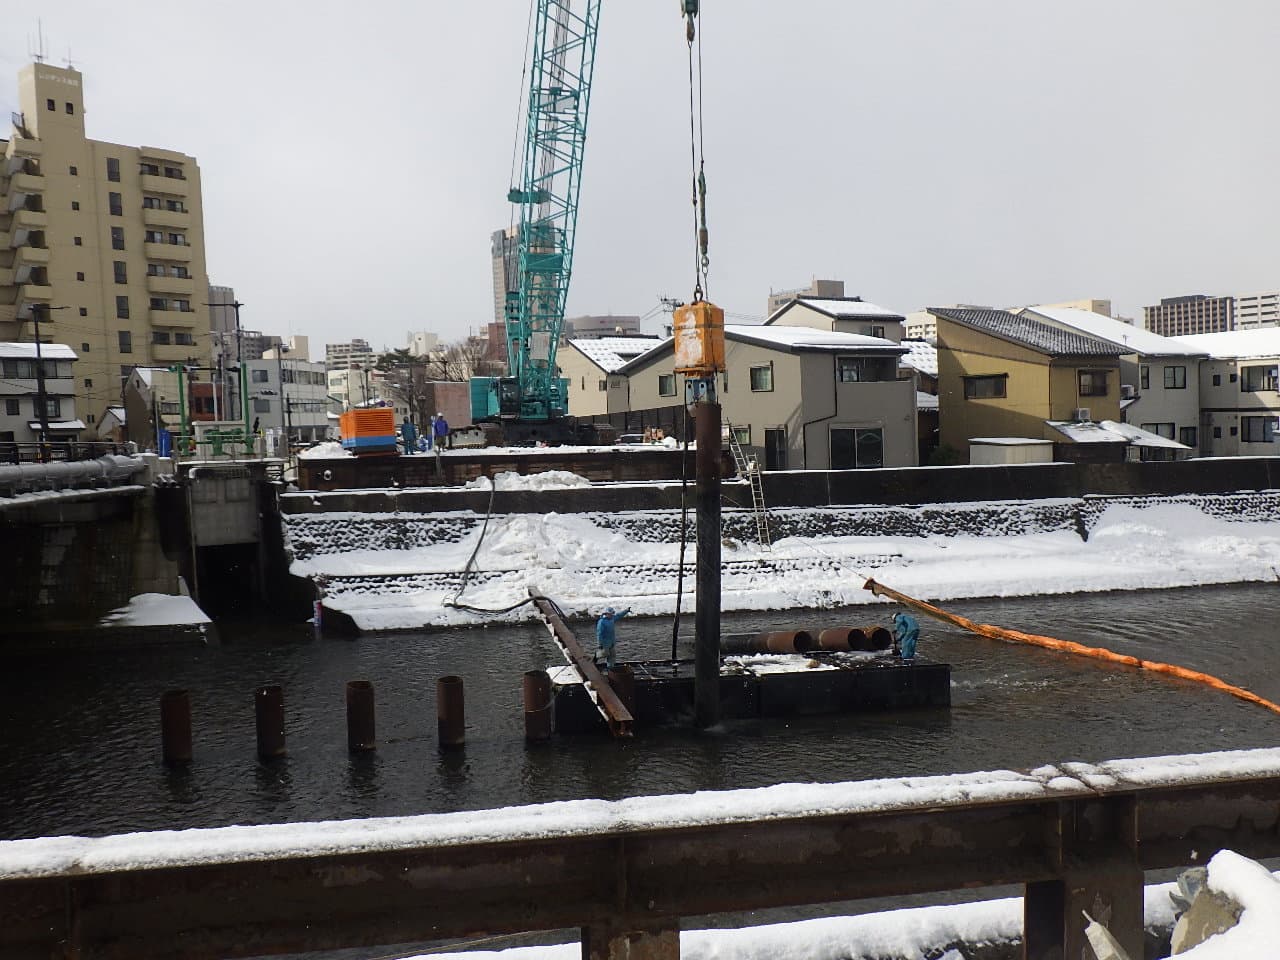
749, 468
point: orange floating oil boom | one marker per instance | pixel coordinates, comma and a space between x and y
1067, 646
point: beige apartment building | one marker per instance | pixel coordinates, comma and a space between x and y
100, 242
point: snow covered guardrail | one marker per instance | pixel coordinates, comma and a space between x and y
1074, 833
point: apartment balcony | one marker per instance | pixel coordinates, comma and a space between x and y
26, 220
162, 157
25, 184
182, 286
173, 352
19, 150
7, 275
167, 251
165, 186
166, 218
32, 295
30, 257
173, 318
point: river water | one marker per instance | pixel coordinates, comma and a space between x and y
80, 735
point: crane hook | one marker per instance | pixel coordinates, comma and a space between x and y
690, 11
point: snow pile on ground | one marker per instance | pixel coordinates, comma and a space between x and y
1257, 934
587, 561
155, 609
325, 450
510, 480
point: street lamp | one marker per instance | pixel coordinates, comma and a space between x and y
286, 421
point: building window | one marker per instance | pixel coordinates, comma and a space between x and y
73, 171
160, 337
1187, 436
857, 449
877, 331
84, 348
1232, 378
604, 384
12, 408
80, 275
1217, 379
78, 242
178, 238
180, 272
1255, 379
117, 238
154, 236
1093, 383
115, 204
151, 169
121, 274
89, 418
113, 169
126, 341
183, 306
88, 381
52, 407
151, 203
1144, 377
261, 406
762, 379
70, 109
122, 308
1217, 433
985, 388
75, 204
666, 384
176, 206
50, 105
742, 435
84, 312
1165, 430
174, 173
1257, 429
183, 339
1175, 378
259, 376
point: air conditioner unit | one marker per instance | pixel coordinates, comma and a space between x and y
1080, 414
1127, 391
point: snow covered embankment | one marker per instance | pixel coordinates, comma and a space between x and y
397, 570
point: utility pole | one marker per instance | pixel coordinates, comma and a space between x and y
42, 400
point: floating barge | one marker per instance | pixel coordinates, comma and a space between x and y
763, 685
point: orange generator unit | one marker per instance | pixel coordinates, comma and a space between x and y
368, 430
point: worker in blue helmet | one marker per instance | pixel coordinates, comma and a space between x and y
906, 631
606, 635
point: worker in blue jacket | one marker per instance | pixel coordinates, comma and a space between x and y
408, 434
606, 637
906, 631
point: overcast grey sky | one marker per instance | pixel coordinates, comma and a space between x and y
356, 156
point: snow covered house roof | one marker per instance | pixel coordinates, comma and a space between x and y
1136, 339
1112, 431
839, 308
921, 355
1029, 332
803, 339
58, 425
27, 351
1259, 343
926, 401
611, 354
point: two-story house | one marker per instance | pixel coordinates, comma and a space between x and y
586, 364
1159, 376
1239, 391
840, 315
20, 415
1002, 374
798, 397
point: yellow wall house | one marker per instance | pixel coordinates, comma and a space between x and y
102, 243
1005, 375
587, 363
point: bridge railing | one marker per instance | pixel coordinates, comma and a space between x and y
1077, 836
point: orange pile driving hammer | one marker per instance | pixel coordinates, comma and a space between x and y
1067, 646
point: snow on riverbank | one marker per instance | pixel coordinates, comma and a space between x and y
587, 561
155, 609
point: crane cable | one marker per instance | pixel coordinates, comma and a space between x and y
1068, 646
697, 157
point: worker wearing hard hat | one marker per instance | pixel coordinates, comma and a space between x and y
606, 636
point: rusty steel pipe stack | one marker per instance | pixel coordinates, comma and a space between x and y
451, 723
537, 706
268, 705
175, 727
361, 719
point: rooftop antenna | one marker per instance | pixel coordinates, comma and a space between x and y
70, 63
38, 54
